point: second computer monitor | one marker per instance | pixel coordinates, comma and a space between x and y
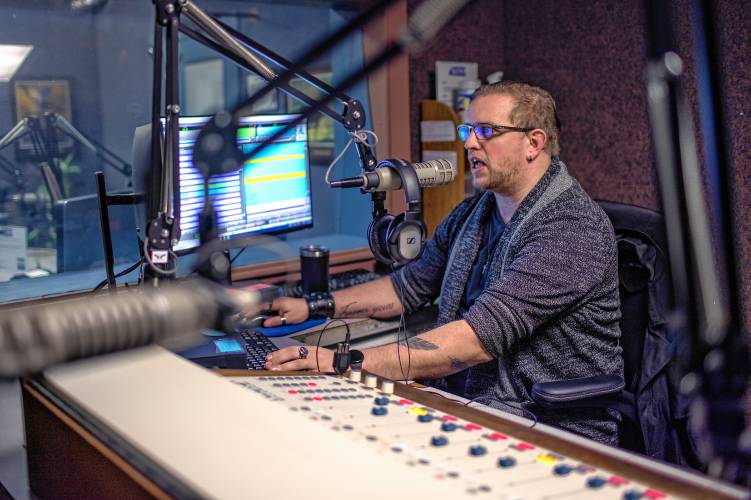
270, 193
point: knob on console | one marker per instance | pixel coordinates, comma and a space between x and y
387, 386
371, 380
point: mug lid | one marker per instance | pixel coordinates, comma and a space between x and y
313, 251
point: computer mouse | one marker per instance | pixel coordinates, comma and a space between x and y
250, 322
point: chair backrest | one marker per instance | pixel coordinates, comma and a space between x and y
642, 260
660, 412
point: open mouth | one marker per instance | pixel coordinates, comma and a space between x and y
476, 163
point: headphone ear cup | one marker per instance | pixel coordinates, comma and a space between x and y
378, 238
405, 239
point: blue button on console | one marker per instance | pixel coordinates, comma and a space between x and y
596, 482
439, 441
448, 426
632, 495
562, 470
477, 451
506, 462
379, 411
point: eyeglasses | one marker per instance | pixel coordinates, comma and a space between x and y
485, 131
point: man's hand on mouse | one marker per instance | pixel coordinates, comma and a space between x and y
289, 310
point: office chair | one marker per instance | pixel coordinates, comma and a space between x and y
654, 413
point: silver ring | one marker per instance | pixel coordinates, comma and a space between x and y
284, 320
303, 352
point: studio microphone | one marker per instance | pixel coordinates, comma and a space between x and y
36, 337
386, 178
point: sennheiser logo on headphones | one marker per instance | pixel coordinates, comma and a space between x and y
411, 240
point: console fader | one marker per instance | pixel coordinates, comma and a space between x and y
457, 452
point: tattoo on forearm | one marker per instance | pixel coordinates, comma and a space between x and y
383, 308
420, 344
458, 364
351, 310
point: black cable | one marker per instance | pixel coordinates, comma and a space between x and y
320, 336
121, 273
402, 323
233, 259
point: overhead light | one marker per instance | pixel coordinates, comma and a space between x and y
11, 58
87, 4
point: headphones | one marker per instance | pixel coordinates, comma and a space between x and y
397, 240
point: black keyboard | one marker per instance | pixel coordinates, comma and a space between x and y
244, 349
257, 346
344, 279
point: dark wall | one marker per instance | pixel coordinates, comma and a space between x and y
475, 35
591, 57
734, 19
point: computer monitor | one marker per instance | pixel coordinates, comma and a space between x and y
270, 193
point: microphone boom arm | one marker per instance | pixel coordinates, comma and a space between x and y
163, 231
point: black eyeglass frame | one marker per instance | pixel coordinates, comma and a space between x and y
495, 127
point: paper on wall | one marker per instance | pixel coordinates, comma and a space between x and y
12, 251
437, 131
431, 154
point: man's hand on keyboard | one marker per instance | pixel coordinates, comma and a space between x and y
301, 358
289, 310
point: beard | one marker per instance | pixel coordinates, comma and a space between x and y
500, 178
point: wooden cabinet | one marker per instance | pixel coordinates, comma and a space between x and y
439, 201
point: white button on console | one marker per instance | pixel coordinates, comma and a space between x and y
371, 380
355, 375
387, 386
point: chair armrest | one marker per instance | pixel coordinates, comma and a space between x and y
598, 391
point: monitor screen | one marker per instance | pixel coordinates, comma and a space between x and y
270, 193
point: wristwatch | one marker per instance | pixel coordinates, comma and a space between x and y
356, 359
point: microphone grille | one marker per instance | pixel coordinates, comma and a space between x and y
435, 172
446, 171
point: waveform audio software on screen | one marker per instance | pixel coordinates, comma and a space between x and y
269, 194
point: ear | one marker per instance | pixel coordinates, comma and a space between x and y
537, 140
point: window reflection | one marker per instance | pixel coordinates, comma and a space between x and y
72, 105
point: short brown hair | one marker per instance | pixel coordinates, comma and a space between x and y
534, 108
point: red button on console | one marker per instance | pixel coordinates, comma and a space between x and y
495, 436
654, 494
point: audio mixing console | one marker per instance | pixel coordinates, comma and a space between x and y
457, 452
248, 434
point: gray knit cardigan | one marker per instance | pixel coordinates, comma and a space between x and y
550, 308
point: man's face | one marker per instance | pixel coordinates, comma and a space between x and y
496, 162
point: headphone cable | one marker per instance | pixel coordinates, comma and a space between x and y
402, 323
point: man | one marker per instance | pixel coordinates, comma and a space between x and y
526, 272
